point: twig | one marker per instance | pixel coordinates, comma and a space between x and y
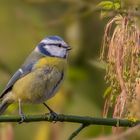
77, 131
72, 118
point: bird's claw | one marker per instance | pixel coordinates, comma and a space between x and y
22, 118
54, 115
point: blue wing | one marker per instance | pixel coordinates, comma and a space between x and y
20, 73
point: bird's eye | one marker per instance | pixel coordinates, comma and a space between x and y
60, 45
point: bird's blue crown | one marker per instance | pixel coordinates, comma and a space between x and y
55, 38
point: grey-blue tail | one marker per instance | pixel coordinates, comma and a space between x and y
3, 106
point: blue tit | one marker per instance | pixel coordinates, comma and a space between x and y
40, 76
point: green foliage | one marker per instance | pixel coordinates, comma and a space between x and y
109, 5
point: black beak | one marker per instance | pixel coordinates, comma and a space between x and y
69, 48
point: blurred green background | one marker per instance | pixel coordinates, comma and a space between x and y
23, 23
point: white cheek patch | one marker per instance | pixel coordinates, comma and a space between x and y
56, 51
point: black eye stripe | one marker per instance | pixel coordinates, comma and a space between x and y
52, 44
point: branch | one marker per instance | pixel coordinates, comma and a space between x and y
72, 118
83, 120
77, 131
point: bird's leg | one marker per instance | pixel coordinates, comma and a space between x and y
20, 112
55, 115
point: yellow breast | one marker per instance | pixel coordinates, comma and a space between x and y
60, 63
34, 85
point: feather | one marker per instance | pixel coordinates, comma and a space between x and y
3, 106
20, 73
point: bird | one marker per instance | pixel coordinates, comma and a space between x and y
39, 77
